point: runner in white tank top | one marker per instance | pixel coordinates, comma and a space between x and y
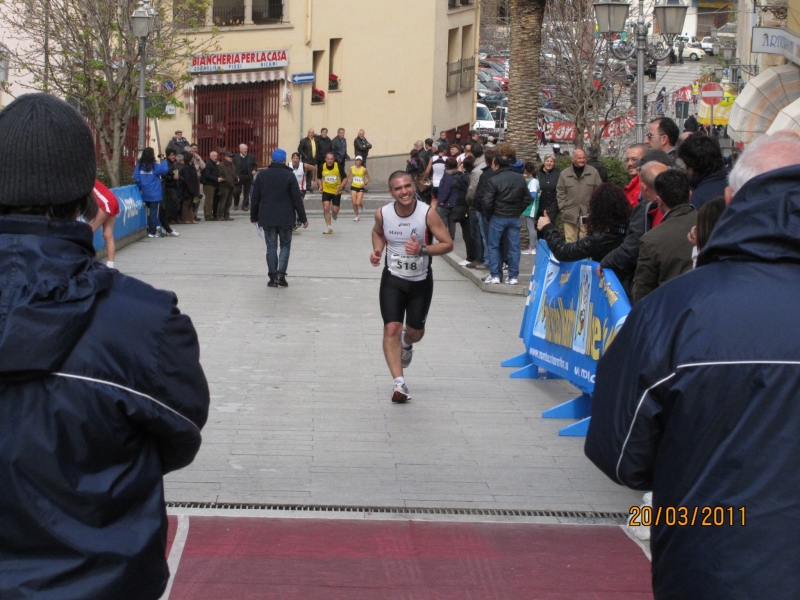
304, 173
398, 240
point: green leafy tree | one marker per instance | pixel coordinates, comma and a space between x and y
85, 52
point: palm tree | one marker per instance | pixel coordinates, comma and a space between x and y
526, 18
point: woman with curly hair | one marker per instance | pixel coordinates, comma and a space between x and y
606, 223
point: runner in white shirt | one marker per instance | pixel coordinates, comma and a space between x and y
300, 169
406, 291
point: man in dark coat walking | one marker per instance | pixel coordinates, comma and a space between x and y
696, 399
277, 206
102, 389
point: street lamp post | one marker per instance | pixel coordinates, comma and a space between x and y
612, 17
142, 18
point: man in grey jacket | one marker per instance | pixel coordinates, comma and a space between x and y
575, 187
339, 149
474, 224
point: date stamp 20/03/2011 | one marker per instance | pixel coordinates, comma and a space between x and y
687, 516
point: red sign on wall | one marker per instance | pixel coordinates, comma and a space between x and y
239, 61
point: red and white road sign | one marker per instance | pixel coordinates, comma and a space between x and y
712, 93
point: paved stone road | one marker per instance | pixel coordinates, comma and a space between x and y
300, 391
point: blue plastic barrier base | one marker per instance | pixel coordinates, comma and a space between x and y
520, 360
577, 408
529, 372
579, 429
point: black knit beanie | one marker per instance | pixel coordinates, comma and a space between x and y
47, 152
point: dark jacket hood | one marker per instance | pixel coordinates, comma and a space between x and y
49, 282
762, 223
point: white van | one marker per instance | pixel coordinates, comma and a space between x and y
484, 118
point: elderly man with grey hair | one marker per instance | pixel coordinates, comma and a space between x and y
696, 399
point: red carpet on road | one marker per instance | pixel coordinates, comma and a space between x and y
309, 559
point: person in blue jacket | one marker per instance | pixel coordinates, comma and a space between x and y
697, 397
147, 175
100, 379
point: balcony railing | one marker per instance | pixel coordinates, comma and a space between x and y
267, 12
228, 16
453, 77
467, 74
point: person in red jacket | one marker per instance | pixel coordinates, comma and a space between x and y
632, 156
106, 218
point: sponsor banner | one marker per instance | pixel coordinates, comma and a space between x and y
131, 217
684, 94
559, 131
239, 61
573, 317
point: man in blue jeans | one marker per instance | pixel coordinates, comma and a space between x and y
504, 201
276, 205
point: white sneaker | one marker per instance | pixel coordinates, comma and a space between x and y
150, 235
173, 233
511, 281
464, 263
491, 279
327, 231
529, 251
356, 219
400, 394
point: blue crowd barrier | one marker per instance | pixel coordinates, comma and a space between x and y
571, 316
131, 218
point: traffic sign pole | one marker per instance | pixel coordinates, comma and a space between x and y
302, 79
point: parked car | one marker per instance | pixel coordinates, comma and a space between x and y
483, 117
707, 45
487, 80
690, 40
494, 100
690, 52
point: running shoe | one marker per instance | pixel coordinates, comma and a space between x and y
529, 251
327, 231
335, 216
173, 233
400, 394
512, 281
356, 219
151, 235
407, 355
491, 279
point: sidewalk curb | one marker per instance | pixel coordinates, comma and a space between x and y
521, 289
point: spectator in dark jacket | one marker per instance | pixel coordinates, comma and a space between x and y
691, 124
548, 181
622, 260
705, 168
460, 214
277, 207
324, 144
696, 398
448, 195
480, 190
227, 172
593, 156
246, 168
479, 248
362, 146
177, 143
609, 211
339, 149
666, 252
308, 148
190, 188
103, 392
210, 179
505, 198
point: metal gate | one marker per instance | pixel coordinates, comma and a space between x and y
241, 113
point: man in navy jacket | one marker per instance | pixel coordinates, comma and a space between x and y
100, 380
697, 397
276, 207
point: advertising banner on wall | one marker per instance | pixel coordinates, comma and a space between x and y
239, 61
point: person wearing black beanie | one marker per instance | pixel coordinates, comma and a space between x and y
102, 388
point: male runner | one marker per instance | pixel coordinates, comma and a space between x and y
407, 280
328, 182
299, 169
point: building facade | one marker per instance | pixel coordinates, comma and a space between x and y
400, 71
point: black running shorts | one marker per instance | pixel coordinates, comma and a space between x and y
335, 199
405, 301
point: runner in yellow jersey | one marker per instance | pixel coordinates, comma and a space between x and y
358, 178
329, 182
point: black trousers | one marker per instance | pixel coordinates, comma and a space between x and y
243, 187
462, 218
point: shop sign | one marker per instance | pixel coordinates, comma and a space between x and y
775, 40
239, 61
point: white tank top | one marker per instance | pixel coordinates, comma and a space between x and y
398, 231
437, 169
300, 174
